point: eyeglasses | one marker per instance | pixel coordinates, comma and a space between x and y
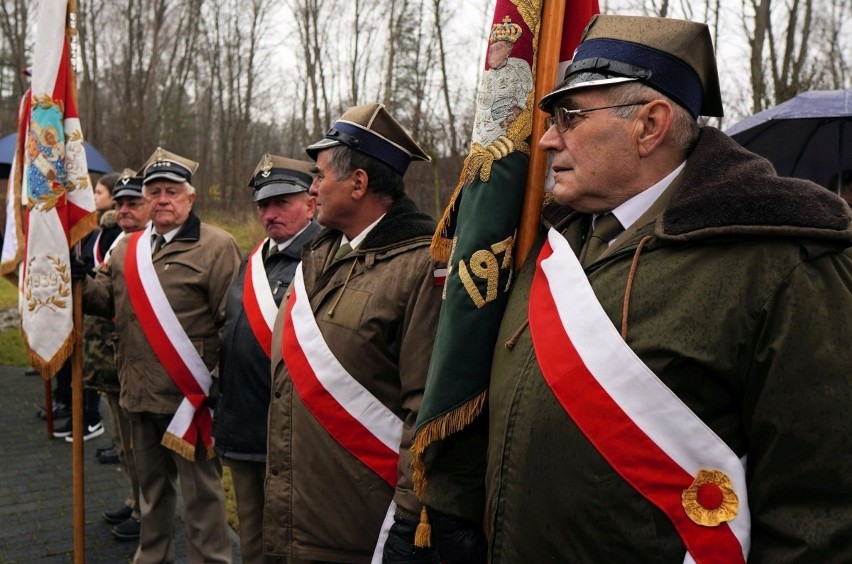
564, 119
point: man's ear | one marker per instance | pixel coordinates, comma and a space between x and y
360, 181
653, 125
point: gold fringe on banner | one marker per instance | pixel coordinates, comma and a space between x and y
49, 368
438, 429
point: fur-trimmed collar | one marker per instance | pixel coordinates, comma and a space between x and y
402, 222
726, 189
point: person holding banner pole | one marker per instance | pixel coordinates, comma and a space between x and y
671, 376
167, 287
286, 210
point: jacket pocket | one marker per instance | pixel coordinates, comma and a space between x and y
171, 263
347, 310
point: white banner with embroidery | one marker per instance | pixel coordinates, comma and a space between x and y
59, 198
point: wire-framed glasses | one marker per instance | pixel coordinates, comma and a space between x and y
564, 119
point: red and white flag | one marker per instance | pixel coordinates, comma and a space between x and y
56, 192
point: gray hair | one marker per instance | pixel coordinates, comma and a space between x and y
684, 130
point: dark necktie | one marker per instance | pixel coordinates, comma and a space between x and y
159, 241
344, 250
606, 228
273, 248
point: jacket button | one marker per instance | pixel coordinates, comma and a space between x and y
277, 394
273, 471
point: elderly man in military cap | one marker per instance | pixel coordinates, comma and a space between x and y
286, 210
350, 352
130, 214
167, 288
676, 381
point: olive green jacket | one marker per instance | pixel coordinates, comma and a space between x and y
377, 310
740, 303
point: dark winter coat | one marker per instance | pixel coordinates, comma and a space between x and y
740, 303
239, 426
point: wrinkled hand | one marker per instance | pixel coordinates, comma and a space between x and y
459, 541
400, 548
79, 270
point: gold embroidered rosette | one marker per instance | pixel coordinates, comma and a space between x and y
710, 500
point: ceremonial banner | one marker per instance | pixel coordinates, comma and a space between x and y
477, 233
13, 235
58, 194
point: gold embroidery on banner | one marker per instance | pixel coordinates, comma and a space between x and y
718, 484
46, 101
484, 265
47, 289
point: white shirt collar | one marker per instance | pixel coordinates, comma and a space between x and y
361, 236
631, 210
285, 244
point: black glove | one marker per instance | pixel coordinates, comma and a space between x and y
79, 269
213, 394
459, 540
399, 547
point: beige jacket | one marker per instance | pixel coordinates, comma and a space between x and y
195, 269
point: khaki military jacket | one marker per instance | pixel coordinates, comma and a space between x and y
195, 270
377, 310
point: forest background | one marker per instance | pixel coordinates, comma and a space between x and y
224, 81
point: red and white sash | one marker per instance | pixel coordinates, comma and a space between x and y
347, 410
258, 300
96, 250
112, 247
648, 435
172, 347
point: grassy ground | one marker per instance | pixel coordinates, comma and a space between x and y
8, 294
246, 230
243, 225
12, 352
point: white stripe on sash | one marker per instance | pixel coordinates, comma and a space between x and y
260, 285
380, 421
166, 315
654, 408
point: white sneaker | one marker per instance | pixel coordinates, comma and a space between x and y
90, 432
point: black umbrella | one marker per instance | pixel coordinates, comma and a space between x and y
809, 136
94, 159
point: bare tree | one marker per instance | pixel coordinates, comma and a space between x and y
15, 20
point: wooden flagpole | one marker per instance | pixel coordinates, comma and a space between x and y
77, 407
550, 41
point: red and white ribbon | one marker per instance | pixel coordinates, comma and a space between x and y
258, 300
171, 345
362, 424
648, 435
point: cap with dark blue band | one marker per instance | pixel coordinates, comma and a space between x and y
165, 165
279, 176
666, 73
371, 130
370, 144
128, 184
674, 57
